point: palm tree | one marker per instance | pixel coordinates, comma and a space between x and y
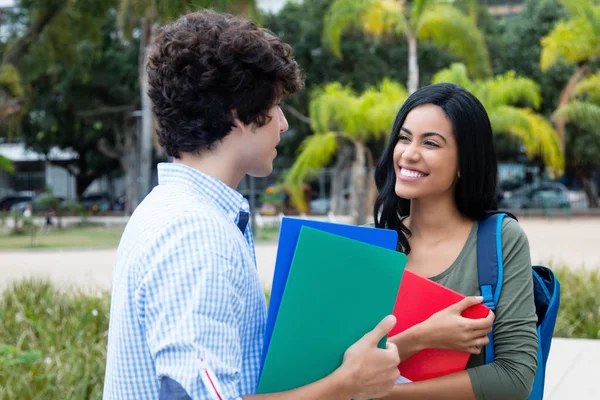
577, 41
584, 112
146, 16
435, 20
500, 96
343, 123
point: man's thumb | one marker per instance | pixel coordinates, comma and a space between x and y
467, 302
382, 329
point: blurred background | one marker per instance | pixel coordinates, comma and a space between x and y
78, 151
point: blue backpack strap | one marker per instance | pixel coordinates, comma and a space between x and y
490, 267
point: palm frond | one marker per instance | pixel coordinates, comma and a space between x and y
535, 133
315, 152
342, 15
334, 108
452, 30
418, 9
574, 40
383, 17
589, 89
549, 146
378, 108
587, 9
583, 114
512, 121
6, 165
456, 73
509, 89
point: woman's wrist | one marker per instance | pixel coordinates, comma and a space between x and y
411, 341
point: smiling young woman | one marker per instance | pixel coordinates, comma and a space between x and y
437, 181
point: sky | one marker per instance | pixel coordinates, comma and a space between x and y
269, 5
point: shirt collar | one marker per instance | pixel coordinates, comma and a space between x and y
228, 199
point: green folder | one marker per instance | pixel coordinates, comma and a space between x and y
338, 289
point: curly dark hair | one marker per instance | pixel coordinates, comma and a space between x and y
206, 64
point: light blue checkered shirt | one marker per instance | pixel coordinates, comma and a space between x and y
185, 289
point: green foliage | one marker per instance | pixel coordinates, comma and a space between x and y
577, 39
509, 101
586, 115
338, 114
342, 15
131, 12
11, 80
588, 89
54, 342
66, 107
519, 50
315, 152
450, 29
579, 312
583, 113
6, 165
367, 60
442, 23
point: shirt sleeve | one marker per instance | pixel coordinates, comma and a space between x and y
511, 375
187, 302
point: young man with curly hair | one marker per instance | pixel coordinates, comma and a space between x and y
188, 310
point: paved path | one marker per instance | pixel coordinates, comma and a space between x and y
575, 242
572, 371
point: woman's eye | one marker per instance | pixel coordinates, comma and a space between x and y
431, 144
403, 138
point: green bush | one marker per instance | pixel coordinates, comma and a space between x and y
53, 343
579, 312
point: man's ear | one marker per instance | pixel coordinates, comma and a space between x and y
238, 126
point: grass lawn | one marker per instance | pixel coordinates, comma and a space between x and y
266, 234
90, 236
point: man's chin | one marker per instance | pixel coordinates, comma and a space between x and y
261, 172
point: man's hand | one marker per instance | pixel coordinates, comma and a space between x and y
369, 370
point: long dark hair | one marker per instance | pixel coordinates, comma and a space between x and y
475, 191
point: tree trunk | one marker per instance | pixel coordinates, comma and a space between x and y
358, 195
565, 97
413, 64
145, 159
10, 103
340, 177
371, 187
125, 151
129, 162
17, 52
589, 188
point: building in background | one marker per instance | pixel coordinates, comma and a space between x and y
505, 8
34, 172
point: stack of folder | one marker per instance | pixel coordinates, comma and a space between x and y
332, 284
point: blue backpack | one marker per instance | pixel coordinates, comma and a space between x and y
546, 289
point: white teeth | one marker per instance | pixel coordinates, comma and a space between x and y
411, 174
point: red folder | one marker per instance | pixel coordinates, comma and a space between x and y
418, 299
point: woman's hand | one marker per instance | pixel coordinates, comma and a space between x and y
448, 329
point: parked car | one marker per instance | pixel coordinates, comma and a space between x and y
96, 202
537, 195
38, 203
19, 197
